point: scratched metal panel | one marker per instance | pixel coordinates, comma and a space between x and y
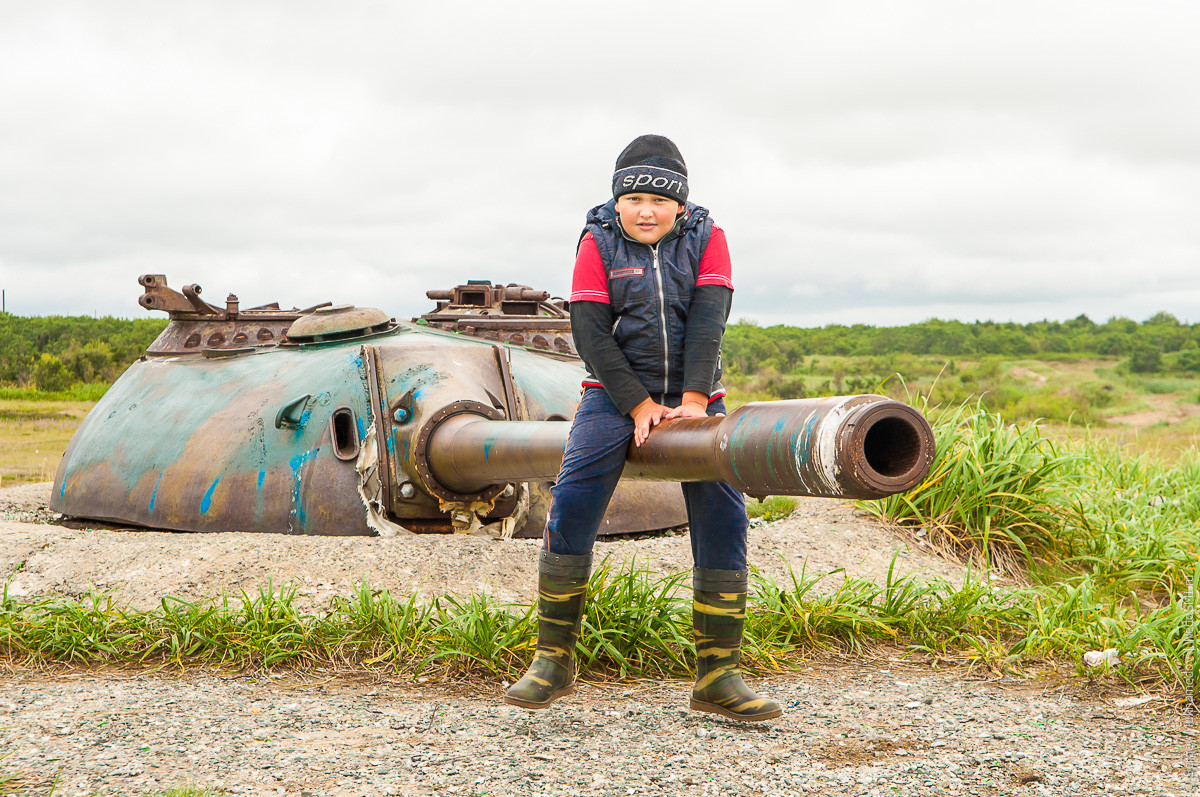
192, 444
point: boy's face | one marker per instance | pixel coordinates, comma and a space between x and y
647, 217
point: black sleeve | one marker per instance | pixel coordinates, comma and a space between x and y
702, 336
591, 326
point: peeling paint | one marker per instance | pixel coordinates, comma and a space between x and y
297, 464
827, 442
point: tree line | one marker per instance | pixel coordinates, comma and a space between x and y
54, 353
1160, 343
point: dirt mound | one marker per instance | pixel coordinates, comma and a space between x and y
139, 567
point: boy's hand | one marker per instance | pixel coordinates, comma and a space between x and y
646, 415
695, 405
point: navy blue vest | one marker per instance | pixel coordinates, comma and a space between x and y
650, 288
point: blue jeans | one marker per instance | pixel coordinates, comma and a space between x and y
592, 464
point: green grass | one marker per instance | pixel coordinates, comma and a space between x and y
92, 392
637, 625
1108, 543
1075, 391
1161, 385
774, 507
997, 490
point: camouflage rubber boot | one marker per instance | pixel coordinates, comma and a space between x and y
562, 586
718, 615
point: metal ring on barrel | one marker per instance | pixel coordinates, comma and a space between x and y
423, 451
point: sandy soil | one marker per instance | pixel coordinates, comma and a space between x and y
1162, 408
139, 567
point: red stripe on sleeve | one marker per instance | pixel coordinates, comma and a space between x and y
715, 268
589, 283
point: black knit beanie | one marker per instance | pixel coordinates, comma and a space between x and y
651, 165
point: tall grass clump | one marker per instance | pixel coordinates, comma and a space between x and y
993, 493
635, 624
795, 617
474, 633
1136, 522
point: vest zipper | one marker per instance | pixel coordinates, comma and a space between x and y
662, 319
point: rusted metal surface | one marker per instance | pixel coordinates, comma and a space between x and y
194, 445
838, 447
468, 452
515, 314
339, 322
197, 326
337, 420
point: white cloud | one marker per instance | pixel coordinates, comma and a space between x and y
880, 160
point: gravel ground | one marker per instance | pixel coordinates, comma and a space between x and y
852, 727
856, 729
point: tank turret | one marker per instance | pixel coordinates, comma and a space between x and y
338, 420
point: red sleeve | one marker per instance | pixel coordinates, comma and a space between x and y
715, 268
589, 282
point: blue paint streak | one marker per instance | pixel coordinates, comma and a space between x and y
487, 448
737, 440
297, 462
258, 495
362, 427
805, 442
206, 502
771, 440
154, 495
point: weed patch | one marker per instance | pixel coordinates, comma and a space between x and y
636, 625
771, 508
991, 492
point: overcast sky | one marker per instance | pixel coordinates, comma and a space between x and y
877, 163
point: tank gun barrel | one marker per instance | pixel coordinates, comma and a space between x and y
841, 447
467, 453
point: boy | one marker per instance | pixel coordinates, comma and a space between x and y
649, 299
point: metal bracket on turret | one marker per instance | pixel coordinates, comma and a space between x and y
198, 327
